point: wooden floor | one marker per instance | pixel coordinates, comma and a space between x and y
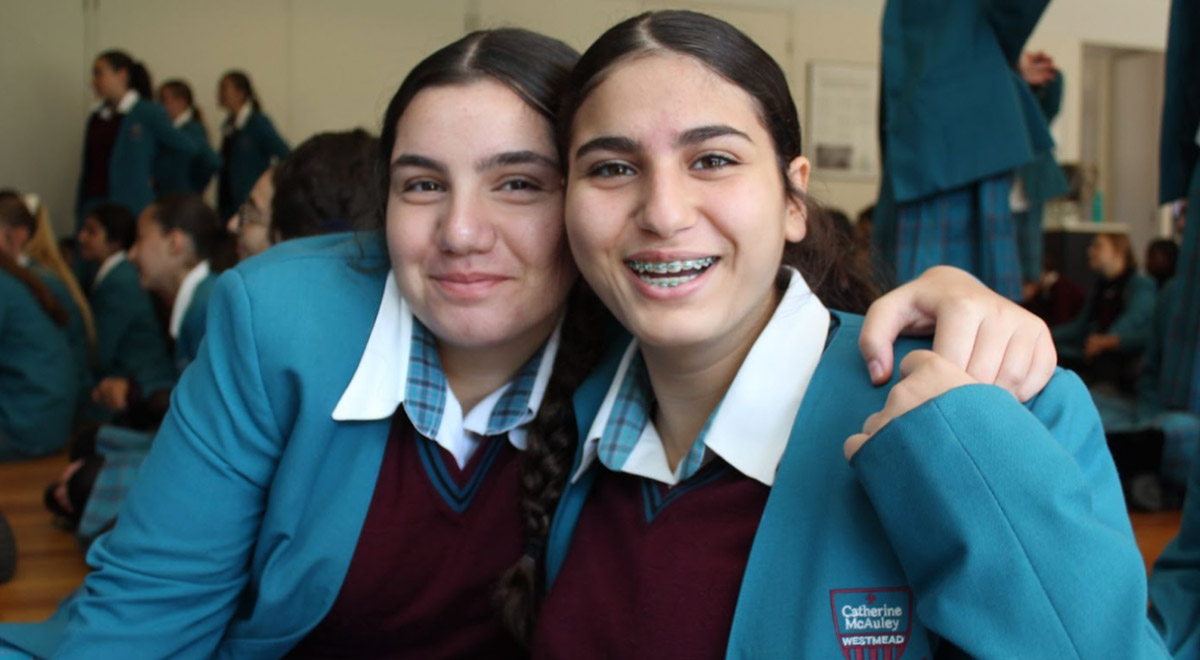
50, 564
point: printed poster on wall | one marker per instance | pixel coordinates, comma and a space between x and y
843, 119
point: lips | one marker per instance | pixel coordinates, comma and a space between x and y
467, 284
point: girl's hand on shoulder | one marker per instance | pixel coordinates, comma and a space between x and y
924, 375
992, 338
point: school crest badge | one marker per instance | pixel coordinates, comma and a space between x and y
872, 624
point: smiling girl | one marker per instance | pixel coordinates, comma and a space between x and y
341, 471
728, 498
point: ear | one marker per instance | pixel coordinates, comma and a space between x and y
796, 223
178, 242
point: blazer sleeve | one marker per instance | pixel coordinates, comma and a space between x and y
166, 134
1175, 581
1010, 525
1136, 322
208, 161
1013, 21
112, 320
168, 577
268, 138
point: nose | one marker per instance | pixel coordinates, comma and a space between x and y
465, 228
665, 210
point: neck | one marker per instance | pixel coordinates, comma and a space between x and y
475, 372
690, 381
169, 290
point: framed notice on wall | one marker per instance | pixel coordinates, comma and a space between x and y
843, 119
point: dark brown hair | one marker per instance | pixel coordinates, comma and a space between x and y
327, 184
138, 78
183, 90
825, 257
535, 68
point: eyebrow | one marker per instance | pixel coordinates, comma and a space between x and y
690, 137
414, 160
694, 136
525, 157
621, 145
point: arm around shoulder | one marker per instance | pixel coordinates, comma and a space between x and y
1009, 522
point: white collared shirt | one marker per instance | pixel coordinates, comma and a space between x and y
126, 104
109, 264
243, 116
183, 299
380, 382
751, 426
183, 118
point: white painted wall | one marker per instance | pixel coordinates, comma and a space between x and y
332, 64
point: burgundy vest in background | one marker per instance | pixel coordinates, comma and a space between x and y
101, 140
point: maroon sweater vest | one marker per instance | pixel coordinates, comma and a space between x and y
434, 543
653, 572
101, 140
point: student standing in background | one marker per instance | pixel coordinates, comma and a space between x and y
249, 143
1175, 582
956, 120
179, 172
124, 137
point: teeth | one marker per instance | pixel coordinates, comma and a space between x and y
670, 267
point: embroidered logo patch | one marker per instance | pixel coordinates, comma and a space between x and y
872, 624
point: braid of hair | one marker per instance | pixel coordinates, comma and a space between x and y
546, 461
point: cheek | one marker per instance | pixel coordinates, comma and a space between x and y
594, 222
409, 235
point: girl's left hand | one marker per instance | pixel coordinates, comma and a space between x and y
992, 338
924, 375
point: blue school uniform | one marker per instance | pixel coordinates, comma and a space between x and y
1179, 178
75, 329
251, 567
129, 340
125, 449
957, 119
145, 132
38, 385
1041, 180
1134, 325
1175, 580
247, 149
971, 523
190, 173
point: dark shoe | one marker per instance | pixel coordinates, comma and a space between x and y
8, 551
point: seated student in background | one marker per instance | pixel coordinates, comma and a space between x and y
175, 171
251, 223
249, 143
29, 240
324, 186
1162, 256
1153, 444
130, 341
38, 387
327, 185
177, 237
1104, 342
